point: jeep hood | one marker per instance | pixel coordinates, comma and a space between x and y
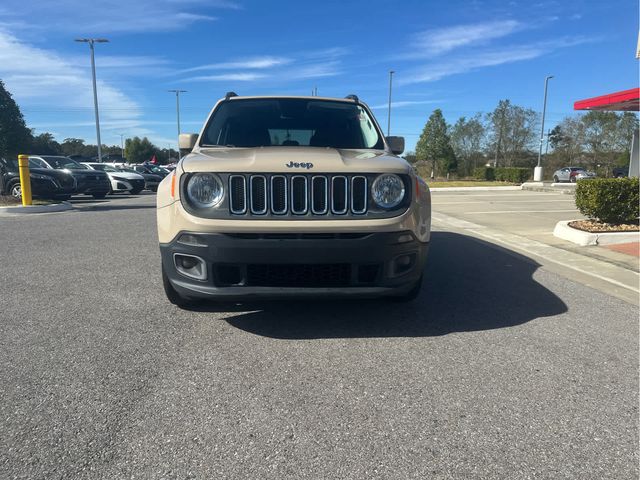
278, 159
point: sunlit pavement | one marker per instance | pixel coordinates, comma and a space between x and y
501, 369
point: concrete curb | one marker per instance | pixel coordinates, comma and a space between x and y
474, 189
564, 231
21, 210
564, 188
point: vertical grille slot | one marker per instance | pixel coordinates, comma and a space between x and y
299, 197
238, 194
258, 188
359, 194
279, 194
319, 195
339, 187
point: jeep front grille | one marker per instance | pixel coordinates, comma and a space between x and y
298, 194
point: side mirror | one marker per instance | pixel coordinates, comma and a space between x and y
396, 144
187, 141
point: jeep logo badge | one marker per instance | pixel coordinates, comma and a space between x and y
306, 165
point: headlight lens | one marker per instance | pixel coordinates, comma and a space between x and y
205, 190
387, 190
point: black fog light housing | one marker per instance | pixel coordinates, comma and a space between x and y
403, 263
190, 266
192, 240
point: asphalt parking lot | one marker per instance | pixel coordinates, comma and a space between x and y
501, 369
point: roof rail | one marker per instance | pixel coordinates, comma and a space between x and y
229, 95
353, 97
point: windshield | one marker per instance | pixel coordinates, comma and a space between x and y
156, 169
62, 163
103, 167
291, 122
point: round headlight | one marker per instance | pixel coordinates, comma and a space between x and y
205, 190
387, 190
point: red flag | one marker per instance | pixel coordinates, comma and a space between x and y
154, 160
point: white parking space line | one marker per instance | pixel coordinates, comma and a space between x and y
507, 201
521, 211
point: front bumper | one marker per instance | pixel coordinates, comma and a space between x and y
273, 265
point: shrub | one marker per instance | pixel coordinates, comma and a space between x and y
512, 174
484, 173
610, 200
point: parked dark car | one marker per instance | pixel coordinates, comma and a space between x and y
109, 158
620, 172
89, 182
152, 169
45, 182
151, 180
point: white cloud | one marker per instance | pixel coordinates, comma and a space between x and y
466, 63
405, 103
49, 86
435, 42
228, 77
57, 83
113, 16
252, 63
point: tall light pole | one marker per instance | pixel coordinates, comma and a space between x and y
391, 72
122, 145
91, 42
178, 92
537, 172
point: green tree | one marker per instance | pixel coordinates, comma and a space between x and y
434, 145
513, 134
44, 144
139, 150
73, 146
410, 157
601, 138
467, 139
15, 137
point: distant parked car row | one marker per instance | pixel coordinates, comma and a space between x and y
60, 177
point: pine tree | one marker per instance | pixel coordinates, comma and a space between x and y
15, 137
434, 145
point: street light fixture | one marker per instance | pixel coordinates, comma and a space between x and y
391, 72
91, 42
537, 172
178, 92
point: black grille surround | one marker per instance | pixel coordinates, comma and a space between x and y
298, 196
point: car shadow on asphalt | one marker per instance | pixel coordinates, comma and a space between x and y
470, 285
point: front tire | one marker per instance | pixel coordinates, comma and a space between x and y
172, 295
154, 189
135, 191
15, 190
556, 179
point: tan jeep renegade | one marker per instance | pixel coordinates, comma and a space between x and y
289, 196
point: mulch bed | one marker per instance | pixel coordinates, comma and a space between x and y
593, 226
6, 201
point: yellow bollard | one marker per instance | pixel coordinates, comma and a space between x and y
25, 179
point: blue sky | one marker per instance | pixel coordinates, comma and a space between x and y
460, 56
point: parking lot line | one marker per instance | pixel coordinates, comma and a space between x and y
506, 201
521, 211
